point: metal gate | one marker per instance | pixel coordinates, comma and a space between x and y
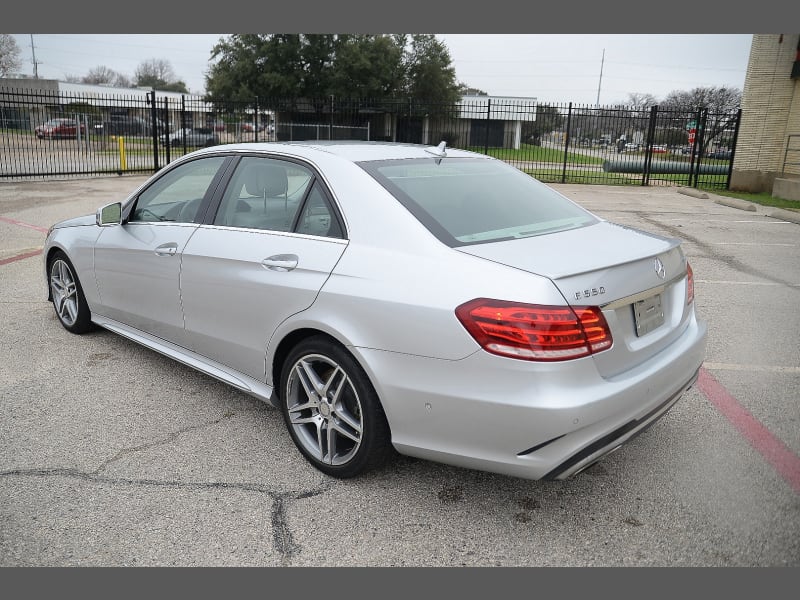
51, 133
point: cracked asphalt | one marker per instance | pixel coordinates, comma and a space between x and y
112, 455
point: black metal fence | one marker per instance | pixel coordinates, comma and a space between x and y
53, 133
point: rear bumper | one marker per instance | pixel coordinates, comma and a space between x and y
529, 420
615, 439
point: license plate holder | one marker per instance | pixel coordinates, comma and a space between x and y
648, 314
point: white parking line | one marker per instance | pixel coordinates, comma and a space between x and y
750, 244
715, 366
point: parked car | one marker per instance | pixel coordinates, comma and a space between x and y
658, 149
385, 296
125, 125
59, 129
249, 127
198, 136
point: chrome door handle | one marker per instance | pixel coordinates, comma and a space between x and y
169, 249
280, 262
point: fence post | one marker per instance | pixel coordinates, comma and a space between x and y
151, 100
330, 125
488, 116
648, 148
694, 163
699, 141
566, 144
733, 149
255, 123
166, 128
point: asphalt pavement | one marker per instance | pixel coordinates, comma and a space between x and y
112, 455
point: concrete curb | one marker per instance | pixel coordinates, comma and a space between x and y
785, 215
687, 191
736, 203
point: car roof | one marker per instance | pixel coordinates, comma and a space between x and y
355, 151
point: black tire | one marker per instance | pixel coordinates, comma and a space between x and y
67, 295
326, 398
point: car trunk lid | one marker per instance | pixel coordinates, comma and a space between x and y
638, 279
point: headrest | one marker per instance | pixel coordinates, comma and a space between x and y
265, 179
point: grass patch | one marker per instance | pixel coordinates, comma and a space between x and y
530, 153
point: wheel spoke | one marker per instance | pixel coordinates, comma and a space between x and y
331, 380
353, 423
356, 437
309, 378
301, 420
321, 429
331, 443
72, 310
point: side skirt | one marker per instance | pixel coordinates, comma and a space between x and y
225, 374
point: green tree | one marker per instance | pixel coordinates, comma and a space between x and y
430, 74
367, 66
246, 66
250, 65
10, 61
317, 54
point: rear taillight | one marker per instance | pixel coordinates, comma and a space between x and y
689, 283
534, 332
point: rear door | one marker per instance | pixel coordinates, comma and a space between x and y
270, 247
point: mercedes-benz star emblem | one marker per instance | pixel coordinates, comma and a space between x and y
661, 270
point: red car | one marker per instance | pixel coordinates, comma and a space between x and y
59, 129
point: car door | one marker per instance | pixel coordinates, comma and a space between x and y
137, 264
272, 244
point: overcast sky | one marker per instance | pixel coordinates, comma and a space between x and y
548, 67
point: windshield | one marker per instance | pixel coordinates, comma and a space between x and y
473, 200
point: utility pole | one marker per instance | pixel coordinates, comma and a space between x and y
35, 63
599, 83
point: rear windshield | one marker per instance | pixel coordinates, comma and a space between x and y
472, 200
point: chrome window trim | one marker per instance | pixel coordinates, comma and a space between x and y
291, 234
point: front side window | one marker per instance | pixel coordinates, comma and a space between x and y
473, 200
178, 195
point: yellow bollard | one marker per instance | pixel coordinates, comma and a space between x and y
123, 163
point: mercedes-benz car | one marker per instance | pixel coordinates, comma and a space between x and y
393, 297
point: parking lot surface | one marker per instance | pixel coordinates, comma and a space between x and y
113, 455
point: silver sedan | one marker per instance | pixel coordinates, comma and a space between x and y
391, 297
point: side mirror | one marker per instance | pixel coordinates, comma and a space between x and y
111, 214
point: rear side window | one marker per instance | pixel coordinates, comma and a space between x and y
264, 194
277, 195
472, 200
